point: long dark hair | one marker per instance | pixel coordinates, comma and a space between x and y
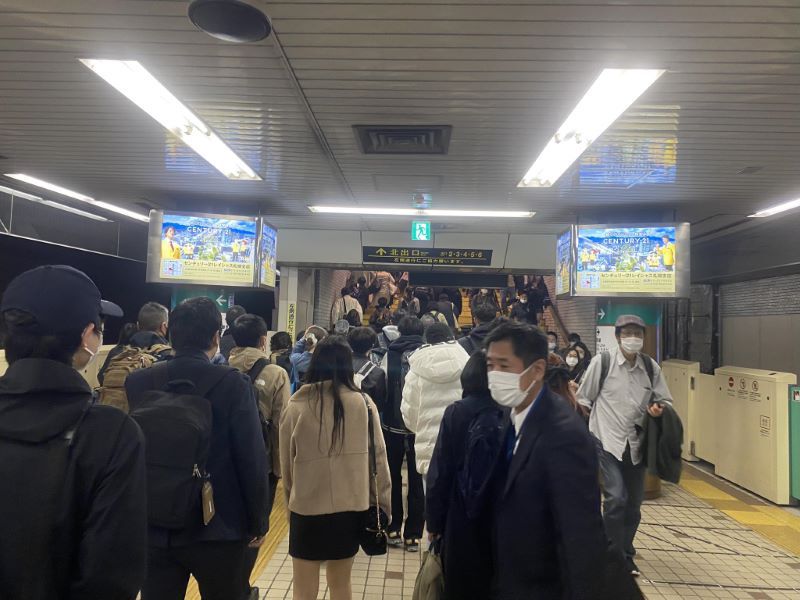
332, 361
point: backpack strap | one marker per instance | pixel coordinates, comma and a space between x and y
255, 371
370, 366
605, 366
648, 366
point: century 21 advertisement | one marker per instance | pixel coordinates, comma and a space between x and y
211, 249
564, 263
268, 261
626, 259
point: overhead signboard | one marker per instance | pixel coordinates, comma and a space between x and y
452, 257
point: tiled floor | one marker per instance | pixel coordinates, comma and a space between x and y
687, 549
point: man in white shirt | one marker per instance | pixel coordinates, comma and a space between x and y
620, 395
343, 305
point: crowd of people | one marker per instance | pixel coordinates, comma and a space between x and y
502, 435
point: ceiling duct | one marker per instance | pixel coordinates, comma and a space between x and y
403, 139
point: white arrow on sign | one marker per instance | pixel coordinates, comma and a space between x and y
221, 300
602, 314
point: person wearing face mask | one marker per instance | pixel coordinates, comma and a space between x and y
272, 388
548, 530
522, 310
620, 388
552, 341
575, 365
484, 297
74, 516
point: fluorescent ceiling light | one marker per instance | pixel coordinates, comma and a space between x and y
768, 212
610, 96
78, 196
422, 212
75, 211
144, 90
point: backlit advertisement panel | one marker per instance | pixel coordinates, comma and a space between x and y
635, 260
202, 249
564, 263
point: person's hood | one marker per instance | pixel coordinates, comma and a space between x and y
391, 332
145, 339
40, 399
405, 343
480, 332
440, 363
244, 359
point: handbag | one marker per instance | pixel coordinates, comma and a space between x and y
429, 584
372, 538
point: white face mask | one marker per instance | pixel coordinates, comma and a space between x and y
632, 345
523, 300
505, 388
484, 291
551, 346
572, 361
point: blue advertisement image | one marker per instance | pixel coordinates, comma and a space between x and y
211, 249
626, 259
268, 264
563, 263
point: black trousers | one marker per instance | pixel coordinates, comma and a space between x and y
217, 567
251, 554
399, 447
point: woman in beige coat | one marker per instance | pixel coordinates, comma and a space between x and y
324, 443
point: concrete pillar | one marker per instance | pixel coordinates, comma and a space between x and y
287, 301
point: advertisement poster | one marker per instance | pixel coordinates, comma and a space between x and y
563, 262
210, 249
626, 259
268, 262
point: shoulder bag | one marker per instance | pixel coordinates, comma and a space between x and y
372, 538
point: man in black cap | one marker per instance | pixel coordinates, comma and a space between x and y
73, 508
621, 387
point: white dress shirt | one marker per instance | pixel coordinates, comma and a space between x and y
621, 405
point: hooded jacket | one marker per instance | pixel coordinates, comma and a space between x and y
432, 384
273, 390
392, 365
474, 341
89, 540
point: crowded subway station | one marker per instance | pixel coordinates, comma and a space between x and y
383, 300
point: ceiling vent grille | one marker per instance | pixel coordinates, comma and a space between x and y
403, 139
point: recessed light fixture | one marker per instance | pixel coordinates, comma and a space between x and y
774, 210
610, 95
424, 212
75, 211
140, 87
77, 196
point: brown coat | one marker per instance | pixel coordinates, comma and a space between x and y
273, 388
316, 481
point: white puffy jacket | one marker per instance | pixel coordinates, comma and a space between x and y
432, 384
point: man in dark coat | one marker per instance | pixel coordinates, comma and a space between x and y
73, 504
399, 440
483, 315
237, 462
549, 537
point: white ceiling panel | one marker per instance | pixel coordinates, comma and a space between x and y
504, 74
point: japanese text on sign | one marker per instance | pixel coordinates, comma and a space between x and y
427, 256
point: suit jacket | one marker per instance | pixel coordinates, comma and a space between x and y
549, 539
663, 439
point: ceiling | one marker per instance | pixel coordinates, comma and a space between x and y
504, 74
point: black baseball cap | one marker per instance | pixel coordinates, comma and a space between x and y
60, 298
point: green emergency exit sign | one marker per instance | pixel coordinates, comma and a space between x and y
421, 231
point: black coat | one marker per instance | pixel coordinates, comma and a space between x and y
466, 548
391, 416
237, 459
549, 538
474, 341
663, 439
99, 546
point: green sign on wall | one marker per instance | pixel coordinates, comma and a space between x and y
222, 298
421, 231
609, 311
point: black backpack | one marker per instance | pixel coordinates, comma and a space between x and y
176, 420
264, 419
482, 446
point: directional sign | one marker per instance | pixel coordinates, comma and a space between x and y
421, 231
453, 257
222, 298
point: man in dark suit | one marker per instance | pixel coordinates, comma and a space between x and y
549, 541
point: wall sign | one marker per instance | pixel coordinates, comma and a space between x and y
453, 257
291, 319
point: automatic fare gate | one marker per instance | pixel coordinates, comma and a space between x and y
753, 430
